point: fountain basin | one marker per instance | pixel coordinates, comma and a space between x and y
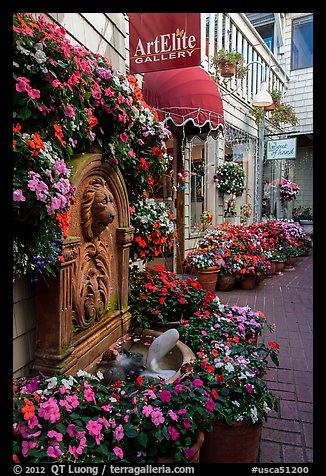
140, 341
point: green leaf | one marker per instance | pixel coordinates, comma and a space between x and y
130, 431
25, 113
142, 439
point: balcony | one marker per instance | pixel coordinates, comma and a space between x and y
233, 31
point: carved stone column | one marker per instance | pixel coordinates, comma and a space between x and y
124, 240
54, 314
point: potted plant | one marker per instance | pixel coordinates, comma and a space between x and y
305, 217
276, 96
154, 229
233, 366
204, 262
283, 114
258, 113
159, 299
227, 62
288, 190
230, 178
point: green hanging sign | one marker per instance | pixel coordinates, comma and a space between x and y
281, 149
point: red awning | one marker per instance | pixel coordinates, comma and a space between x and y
183, 95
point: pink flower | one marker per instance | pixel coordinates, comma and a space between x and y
249, 388
54, 451
26, 446
93, 427
173, 433
89, 395
49, 410
178, 388
55, 434
173, 415
210, 405
22, 84
109, 92
197, 382
33, 93
18, 196
124, 137
190, 453
165, 396
60, 167
119, 433
118, 452
33, 422
186, 423
147, 410
132, 153
69, 110
56, 83
157, 416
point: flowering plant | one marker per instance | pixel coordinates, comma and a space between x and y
158, 294
202, 258
230, 178
288, 190
245, 212
230, 207
154, 229
227, 360
206, 217
41, 199
71, 100
79, 419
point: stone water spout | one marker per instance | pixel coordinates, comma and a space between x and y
128, 364
159, 348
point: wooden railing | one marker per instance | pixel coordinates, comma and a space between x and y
233, 31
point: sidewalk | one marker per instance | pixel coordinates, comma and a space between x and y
287, 300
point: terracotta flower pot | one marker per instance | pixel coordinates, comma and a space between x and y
249, 282
225, 282
208, 277
271, 270
238, 443
159, 326
196, 447
227, 70
271, 107
290, 261
279, 265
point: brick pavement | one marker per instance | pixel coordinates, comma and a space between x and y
287, 300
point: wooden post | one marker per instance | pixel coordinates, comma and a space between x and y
180, 207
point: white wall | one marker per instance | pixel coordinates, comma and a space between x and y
300, 89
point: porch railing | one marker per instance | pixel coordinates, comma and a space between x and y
233, 31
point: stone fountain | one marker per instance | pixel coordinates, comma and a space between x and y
83, 311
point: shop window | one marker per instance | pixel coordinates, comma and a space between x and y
302, 42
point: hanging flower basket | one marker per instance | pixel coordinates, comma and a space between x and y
230, 178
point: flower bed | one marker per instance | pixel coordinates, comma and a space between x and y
78, 419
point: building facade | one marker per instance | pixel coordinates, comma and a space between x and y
277, 42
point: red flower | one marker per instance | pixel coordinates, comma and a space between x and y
274, 345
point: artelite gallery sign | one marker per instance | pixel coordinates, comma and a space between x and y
159, 41
281, 149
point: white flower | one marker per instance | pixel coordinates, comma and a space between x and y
82, 373
253, 413
68, 383
52, 382
236, 403
40, 56
229, 367
100, 375
266, 407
